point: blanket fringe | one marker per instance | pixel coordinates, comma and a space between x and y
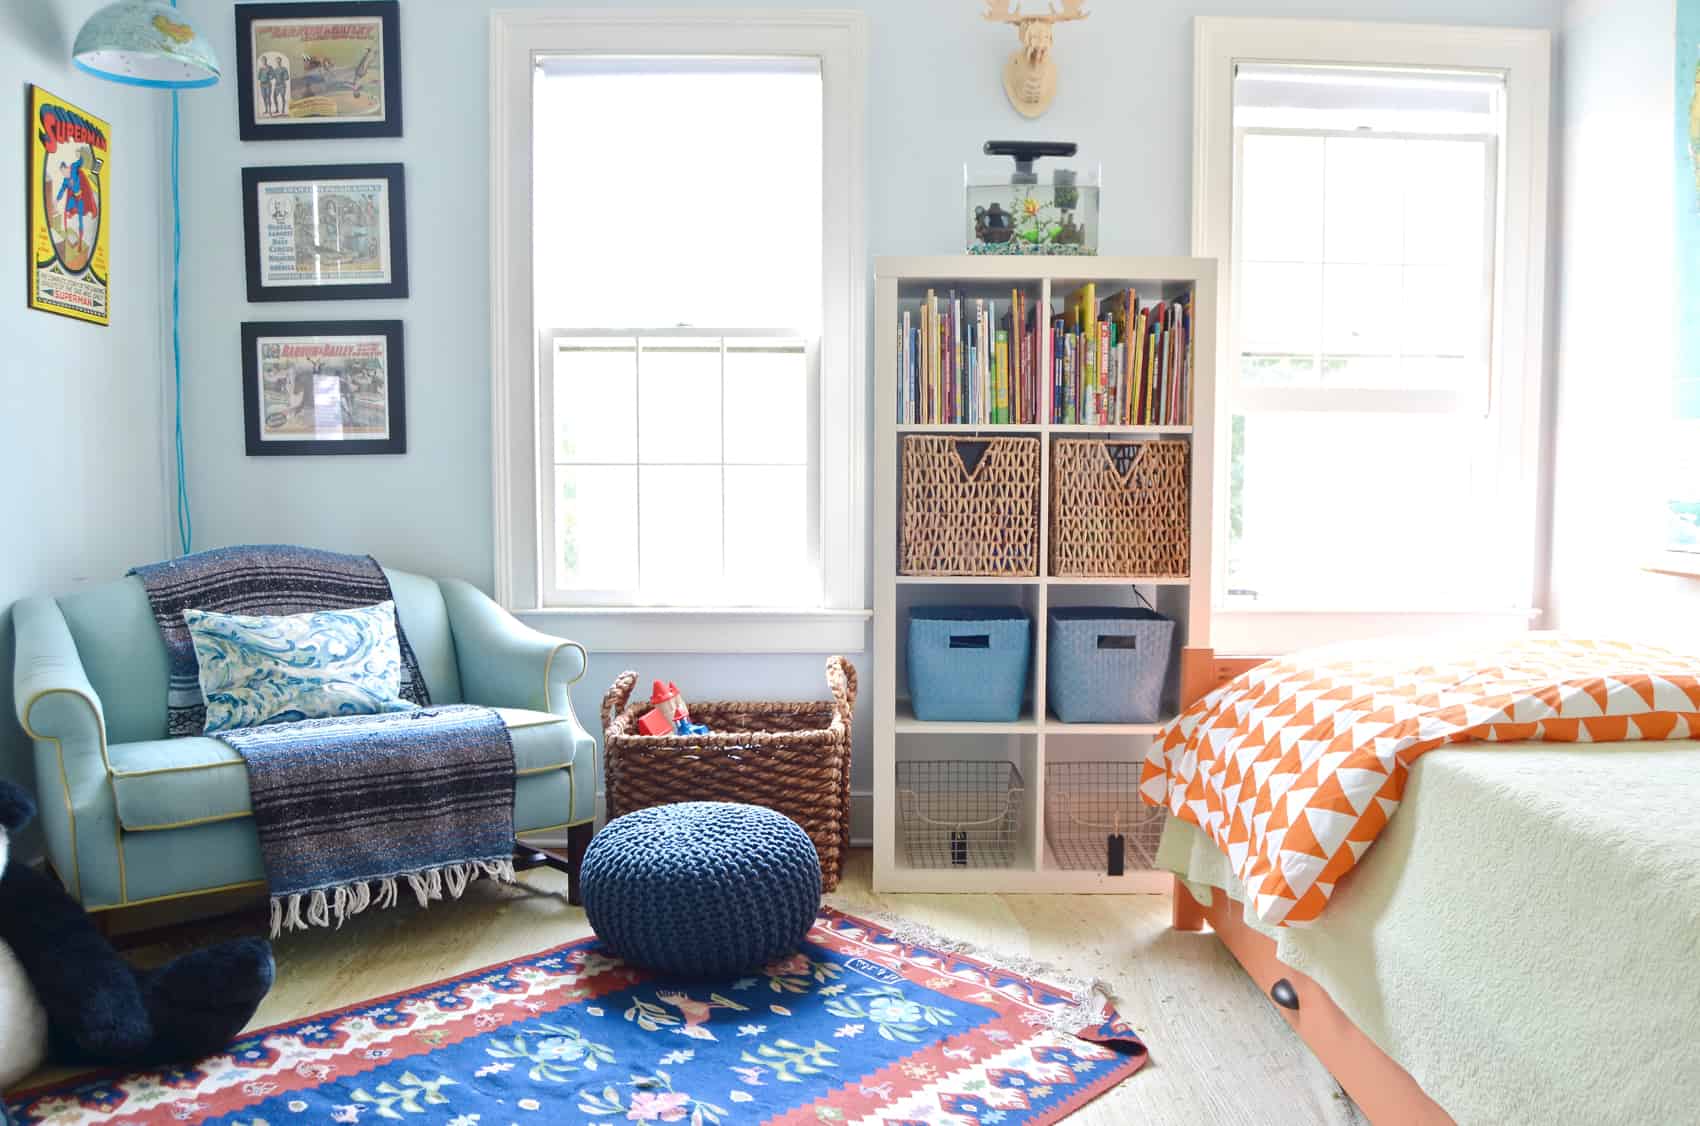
1092, 999
324, 907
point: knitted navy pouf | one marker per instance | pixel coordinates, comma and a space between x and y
701, 889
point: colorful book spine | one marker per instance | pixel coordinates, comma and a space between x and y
1071, 357
1101, 408
1003, 415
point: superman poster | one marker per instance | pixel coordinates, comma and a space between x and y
70, 176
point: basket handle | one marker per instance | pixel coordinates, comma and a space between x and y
614, 702
841, 678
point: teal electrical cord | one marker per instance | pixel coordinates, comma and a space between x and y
185, 523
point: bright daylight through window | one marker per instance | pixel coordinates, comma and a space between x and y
677, 211
1369, 451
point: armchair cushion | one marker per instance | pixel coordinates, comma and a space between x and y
196, 780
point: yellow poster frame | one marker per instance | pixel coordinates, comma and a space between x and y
78, 287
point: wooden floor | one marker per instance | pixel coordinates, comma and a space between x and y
1219, 1053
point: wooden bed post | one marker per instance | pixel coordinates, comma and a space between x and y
1198, 675
1189, 913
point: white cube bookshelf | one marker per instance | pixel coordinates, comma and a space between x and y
1037, 737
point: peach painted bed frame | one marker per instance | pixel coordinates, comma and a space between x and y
1383, 1090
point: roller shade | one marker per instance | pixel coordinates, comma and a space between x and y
1270, 86
576, 66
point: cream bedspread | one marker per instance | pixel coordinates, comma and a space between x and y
1524, 936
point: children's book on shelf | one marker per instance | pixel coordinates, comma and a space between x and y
1109, 361
968, 361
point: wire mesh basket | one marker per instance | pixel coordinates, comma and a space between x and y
1089, 807
957, 814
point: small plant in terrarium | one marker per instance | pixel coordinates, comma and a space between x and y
1017, 214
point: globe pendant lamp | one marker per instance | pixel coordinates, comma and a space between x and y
145, 43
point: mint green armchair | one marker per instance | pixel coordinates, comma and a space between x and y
131, 816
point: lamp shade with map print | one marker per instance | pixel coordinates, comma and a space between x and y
145, 43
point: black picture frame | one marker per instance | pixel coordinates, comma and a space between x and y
395, 231
322, 334
337, 78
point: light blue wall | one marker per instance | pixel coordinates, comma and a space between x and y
1618, 108
934, 96
79, 404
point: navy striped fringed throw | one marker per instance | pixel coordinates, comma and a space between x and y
349, 808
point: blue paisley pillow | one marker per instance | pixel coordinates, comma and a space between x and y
256, 670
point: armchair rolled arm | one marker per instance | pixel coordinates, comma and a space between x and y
58, 708
505, 663
50, 689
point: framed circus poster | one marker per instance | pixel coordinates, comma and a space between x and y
320, 69
69, 158
325, 232
323, 387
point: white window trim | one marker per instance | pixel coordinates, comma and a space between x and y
839, 40
1524, 57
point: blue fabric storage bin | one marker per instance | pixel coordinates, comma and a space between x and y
1107, 664
968, 663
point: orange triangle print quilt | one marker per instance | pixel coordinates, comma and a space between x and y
1294, 768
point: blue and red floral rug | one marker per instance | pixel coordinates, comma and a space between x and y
860, 1027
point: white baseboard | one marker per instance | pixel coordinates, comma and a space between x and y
861, 819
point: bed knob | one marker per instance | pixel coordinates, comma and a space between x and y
1283, 994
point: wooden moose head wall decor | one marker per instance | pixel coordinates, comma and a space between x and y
1030, 77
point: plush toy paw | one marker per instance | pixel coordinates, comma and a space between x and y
201, 1001
16, 809
110, 1025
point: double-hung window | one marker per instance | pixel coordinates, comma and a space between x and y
680, 250
1375, 202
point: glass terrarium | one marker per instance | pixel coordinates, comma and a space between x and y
1031, 209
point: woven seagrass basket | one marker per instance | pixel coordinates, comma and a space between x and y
968, 516
790, 756
1121, 509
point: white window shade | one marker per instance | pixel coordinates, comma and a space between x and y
1367, 98
678, 190
1405, 90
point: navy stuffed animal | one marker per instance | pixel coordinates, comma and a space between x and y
66, 995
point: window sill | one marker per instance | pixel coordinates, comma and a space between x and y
1682, 564
1274, 631
678, 629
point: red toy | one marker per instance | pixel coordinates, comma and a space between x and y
653, 722
665, 696
668, 714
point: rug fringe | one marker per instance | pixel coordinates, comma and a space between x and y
325, 907
1093, 1001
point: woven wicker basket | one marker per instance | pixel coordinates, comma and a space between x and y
970, 519
1121, 509
792, 757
